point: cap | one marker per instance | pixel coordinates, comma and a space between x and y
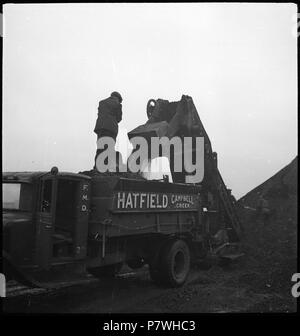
116, 94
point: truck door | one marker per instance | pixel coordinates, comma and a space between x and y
45, 221
71, 218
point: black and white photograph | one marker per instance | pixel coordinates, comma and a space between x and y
149, 160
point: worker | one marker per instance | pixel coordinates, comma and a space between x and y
263, 209
109, 115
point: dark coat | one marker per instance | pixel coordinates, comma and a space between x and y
109, 115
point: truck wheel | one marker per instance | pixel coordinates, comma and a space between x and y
107, 271
175, 263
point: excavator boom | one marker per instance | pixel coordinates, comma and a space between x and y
181, 119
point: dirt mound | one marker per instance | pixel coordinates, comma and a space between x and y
271, 208
269, 217
279, 189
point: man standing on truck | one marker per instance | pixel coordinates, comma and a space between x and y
109, 115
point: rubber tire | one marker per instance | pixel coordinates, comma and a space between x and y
171, 251
108, 271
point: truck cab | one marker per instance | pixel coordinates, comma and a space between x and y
45, 217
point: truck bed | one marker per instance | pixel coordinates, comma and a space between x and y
123, 206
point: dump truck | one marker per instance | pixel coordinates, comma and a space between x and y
60, 223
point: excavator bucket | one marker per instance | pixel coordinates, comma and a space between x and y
181, 119
147, 131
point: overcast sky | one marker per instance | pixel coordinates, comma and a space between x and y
237, 61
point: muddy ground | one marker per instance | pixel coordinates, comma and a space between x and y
242, 287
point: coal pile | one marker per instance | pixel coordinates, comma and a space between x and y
270, 230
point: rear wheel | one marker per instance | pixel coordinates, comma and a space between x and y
173, 264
